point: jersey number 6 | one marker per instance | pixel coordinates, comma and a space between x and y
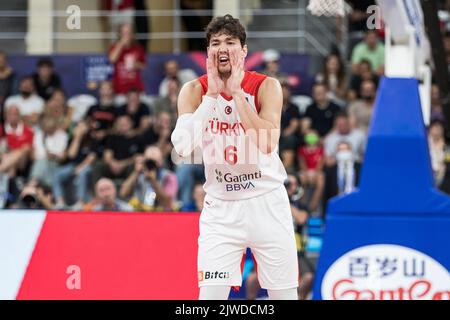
230, 155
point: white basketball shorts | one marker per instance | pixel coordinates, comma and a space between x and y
263, 224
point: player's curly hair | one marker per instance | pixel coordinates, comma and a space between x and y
226, 25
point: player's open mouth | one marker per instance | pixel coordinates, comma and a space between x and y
223, 60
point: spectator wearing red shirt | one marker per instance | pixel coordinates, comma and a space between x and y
311, 157
128, 58
19, 141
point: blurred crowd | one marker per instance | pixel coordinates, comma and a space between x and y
104, 153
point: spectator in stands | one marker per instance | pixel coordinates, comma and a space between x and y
365, 73
333, 76
357, 20
371, 49
438, 150
188, 175
271, 58
344, 132
35, 196
159, 134
322, 111
81, 154
106, 197
137, 111
311, 158
295, 192
16, 152
359, 15
29, 103
343, 176
128, 57
437, 113
57, 107
49, 146
100, 117
46, 81
290, 129
19, 141
169, 102
8, 79
172, 71
80, 104
121, 148
198, 196
361, 110
151, 187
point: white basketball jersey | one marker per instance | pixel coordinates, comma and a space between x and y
234, 166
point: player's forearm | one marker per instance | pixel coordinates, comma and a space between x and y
265, 132
189, 128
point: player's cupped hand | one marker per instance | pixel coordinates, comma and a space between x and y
215, 83
234, 83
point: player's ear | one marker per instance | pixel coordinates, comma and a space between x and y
245, 50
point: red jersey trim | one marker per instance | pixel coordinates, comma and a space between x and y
204, 82
257, 105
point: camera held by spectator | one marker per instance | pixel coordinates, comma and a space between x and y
150, 186
36, 196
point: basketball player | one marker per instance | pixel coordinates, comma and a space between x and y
234, 116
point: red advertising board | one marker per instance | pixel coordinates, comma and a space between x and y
112, 256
